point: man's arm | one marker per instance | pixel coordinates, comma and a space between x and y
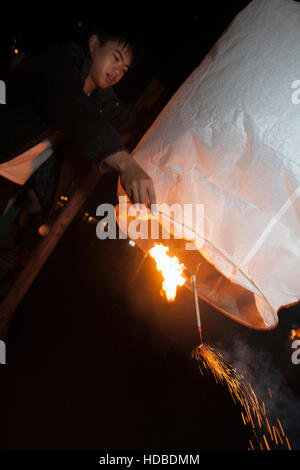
55, 89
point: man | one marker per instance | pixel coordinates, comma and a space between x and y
57, 97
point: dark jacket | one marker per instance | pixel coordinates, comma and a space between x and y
46, 93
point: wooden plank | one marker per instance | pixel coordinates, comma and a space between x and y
41, 253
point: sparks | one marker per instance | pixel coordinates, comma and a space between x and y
254, 412
170, 269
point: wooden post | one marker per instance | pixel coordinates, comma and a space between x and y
41, 253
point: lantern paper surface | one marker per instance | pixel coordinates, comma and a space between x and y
230, 139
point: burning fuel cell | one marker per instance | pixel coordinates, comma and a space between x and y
170, 268
174, 274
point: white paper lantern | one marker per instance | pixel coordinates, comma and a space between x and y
230, 139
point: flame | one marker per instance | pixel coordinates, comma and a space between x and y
170, 269
294, 333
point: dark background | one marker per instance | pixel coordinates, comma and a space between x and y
95, 358
176, 39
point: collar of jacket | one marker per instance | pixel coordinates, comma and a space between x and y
82, 55
86, 65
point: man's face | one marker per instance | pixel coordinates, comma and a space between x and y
111, 62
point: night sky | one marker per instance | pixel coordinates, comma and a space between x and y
95, 361
176, 40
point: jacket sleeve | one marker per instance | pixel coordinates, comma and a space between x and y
55, 87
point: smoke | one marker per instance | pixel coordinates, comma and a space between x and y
260, 369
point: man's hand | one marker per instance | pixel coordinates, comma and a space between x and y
134, 180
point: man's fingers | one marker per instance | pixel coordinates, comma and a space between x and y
151, 193
129, 194
138, 186
143, 195
135, 197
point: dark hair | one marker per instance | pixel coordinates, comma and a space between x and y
133, 41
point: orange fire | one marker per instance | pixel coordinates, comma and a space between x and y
295, 333
170, 269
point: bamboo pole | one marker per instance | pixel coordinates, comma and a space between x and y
41, 253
